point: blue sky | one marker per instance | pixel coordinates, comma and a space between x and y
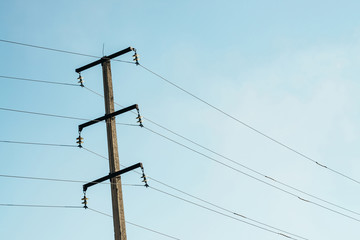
287, 68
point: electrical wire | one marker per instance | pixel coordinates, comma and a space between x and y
63, 180
193, 150
57, 50
58, 116
136, 225
250, 127
207, 202
37, 143
57, 206
226, 165
37, 206
80, 181
39, 81
223, 214
233, 161
201, 100
167, 129
250, 176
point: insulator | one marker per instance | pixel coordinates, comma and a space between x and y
79, 141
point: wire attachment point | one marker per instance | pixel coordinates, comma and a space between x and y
136, 57
144, 178
139, 118
79, 140
84, 199
80, 78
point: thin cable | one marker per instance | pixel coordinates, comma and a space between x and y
57, 50
52, 115
59, 116
43, 114
63, 180
40, 81
223, 214
255, 178
248, 175
37, 206
252, 128
136, 225
207, 202
37, 143
237, 163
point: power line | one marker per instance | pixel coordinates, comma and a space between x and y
61, 206
61, 116
58, 116
167, 129
200, 99
207, 202
37, 143
231, 160
57, 50
250, 176
136, 225
60, 180
37, 206
226, 165
250, 127
81, 181
223, 214
39, 81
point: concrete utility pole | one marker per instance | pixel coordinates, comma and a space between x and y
114, 164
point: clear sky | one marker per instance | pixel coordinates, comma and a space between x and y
288, 69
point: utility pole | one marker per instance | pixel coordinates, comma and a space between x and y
114, 164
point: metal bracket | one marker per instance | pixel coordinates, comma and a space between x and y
112, 175
107, 116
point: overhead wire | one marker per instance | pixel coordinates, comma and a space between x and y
201, 100
251, 127
213, 159
63, 180
37, 206
230, 116
231, 160
62, 206
250, 176
207, 202
38, 143
58, 116
57, 50
226, 165
223, 214
81, 181
136, 225
39, 81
